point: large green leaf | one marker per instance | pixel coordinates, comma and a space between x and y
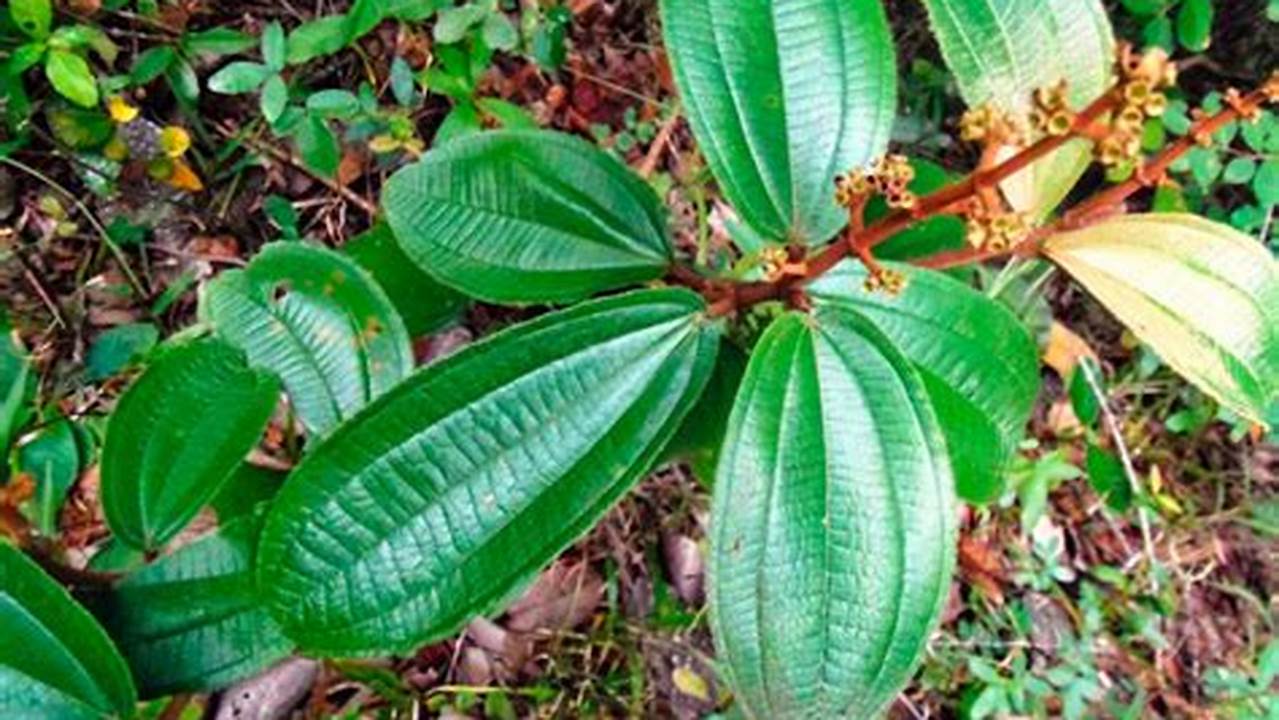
1203, 295
978, 363
316, 320
177, 435
441, 498
833, 523
55, 660
783, 95
520, 216
192, 622
425, 303
1001, 51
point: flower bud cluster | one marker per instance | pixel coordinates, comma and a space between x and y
890, 176
1052, 114
995, 231
992, 125
885, 280
1142, 77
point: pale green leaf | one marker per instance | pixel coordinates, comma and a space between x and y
1203, 295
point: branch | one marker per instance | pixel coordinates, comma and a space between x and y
1111, 201
726, 297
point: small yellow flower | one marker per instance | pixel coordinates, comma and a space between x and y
1060, 123
175, 141
121, 111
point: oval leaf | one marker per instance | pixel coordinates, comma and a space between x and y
782, 97
55, 661
316, 320
72, 77
177, 435
1203, 295
192, 622
1001, 51
832, 527
520, 216
978, 363
442, 497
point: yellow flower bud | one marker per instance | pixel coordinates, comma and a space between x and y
1060, 123
120, 110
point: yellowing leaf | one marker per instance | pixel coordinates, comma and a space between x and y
184, 178
383, 144
175, 141
691, 684
1065, 350
1204, 296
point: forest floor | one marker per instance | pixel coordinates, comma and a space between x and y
1063, 604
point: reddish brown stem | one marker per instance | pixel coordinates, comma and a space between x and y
1110, 201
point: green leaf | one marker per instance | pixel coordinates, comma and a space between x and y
319, 148
1107, 476
1265, 184
176, 436
315, 39
446, 495
425, 304
317, 321
80, 128
274, 47
1158, 33
782, 97
1239, 170
335, 104
453, 24
832, 523
55, 661
33, 17
249, 487
403, 82
17, 385
507, 114
516, 216
1203, 295
1001, 51
499, 32
1194, 24
72, 77
192, 622
118, 348
52, 459
216, 42
151, 64
239, 77
183, 81
978, 363
275, 98
1083, 399
462, 121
